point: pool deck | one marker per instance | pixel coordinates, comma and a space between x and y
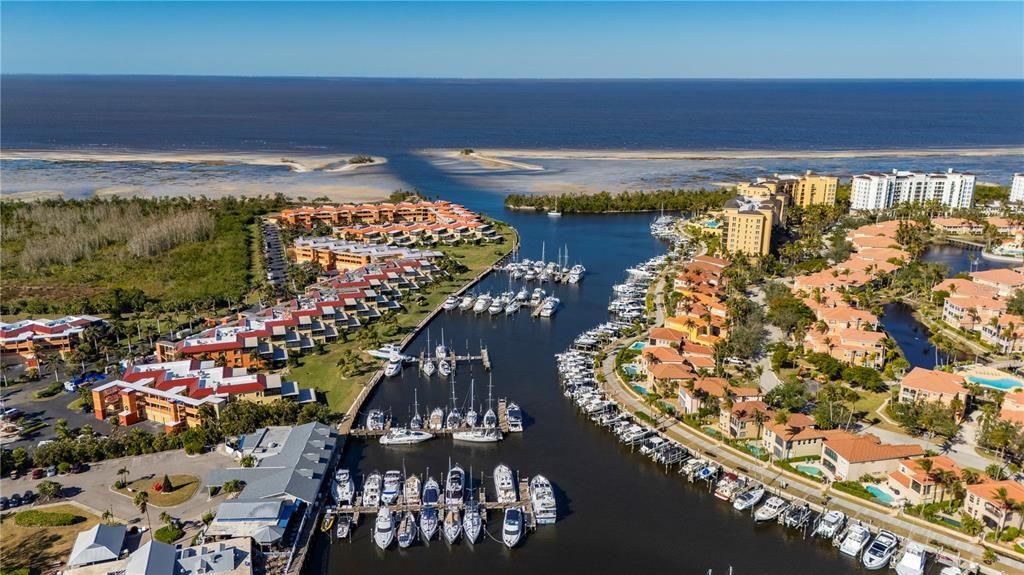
981, 375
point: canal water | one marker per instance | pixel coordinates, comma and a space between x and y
898, 319
618, 511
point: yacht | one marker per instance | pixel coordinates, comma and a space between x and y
407, 530
392, 487
512, 527
467, 303
484, 435
371, 489
452, 527
771, 509
375, 420
392, 369
497, 306
515, 417
550, 305
411, 492
853, 541
416, 422
913, 560
428, 512
450, 303
880, 552
543, 496
343, 486
537, 297
830, 524
796, 516
404, 436
512, 307
472, 522
384, 528
505, 484
749, 498
523, 295
436, 420
482, 303
385, 351
727, 487
455, 486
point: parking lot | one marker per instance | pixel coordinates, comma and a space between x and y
48, 411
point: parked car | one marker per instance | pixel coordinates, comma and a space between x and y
38, 473
15, 500
15, 474
4, 503
51, 471
76, 468
11, 413
29, 496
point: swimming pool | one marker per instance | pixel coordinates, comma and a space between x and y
630, 369
808, 470
640, 389
880, 495
1001, 383
638, 345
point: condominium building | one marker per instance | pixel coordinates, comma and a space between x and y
369, 214
814, 189
336, 254
878, 191
1017, 188
31, 337
748, 225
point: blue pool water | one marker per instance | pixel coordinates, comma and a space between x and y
638, 345
880, 495
640, 389
711, 224
1002, 383
630, 369
808, 470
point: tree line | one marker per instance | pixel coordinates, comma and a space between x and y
676, 200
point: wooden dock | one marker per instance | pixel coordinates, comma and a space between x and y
524, 498
364, 432
503, 415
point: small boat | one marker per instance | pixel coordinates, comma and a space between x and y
411, 492
472, 523
407, 530
512, 527
404, 436
505, 484
913, 560
471, 415
727, 487
485, 435
392, 487
452, 526
490, 418
749, 498
796, 516
427, 367
371, 489
444, 369
879, 553
384, 528
428, 513
537, 297
455, 486
343, 487
830, 524
436, 420
523, 295
375, 420
512, 307
451, 302
453, 420
515, 417
329, 516
343, 525
543, 497
853, 541
392, 369
771, 509
554, 213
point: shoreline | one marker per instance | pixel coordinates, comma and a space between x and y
498, 154
298, 163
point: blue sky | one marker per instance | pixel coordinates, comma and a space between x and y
519, 40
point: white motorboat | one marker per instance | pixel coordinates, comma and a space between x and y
536, 297
467, 303
515, 417
452, 526
436, 420
749, 498
512, 307
375, 420
523, 295
543, 497
428, 513
482, 303
384, 528
497, 306
549, 307
451, 302
343, 486
411, 492
854, 540
879, 553
505, 484
392, 369
771, 509
407, 530
343, 525
512, 527
392, 487
485, 435
913, 560
404, 436
428, 367
830, 524
371, 489
455, 486
472, 523
385, 351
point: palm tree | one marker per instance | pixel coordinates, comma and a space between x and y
142, 503
1006, 506
123, 472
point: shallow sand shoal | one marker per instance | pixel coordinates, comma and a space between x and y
295, 162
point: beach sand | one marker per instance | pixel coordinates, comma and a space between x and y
294, 162
31, 196
491, 162
497, 155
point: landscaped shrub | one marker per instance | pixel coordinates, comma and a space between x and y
37, 518
168, 534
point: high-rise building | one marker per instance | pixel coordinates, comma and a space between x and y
814, 189
748, 225
1017, 188
878, 191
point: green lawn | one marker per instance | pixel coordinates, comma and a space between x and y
185, 487
321, 371
869, 402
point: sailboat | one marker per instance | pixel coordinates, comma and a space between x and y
471, 415
490, 418
417, 420
454, 418
452, 527
472, 521
428, 364
555, 213
428, 513
407, 530
441, 350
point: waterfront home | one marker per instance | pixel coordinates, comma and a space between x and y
292, 465
918, 482
229, 557
663, 336
336, 254
881, 191
1006, 225
853, 346
961, 287
846, 317
1012, 409
886, 229
930, 385
1005, 281
798, 437
971, 312
1005, 333
30, 338
693, 396
985, 503
862, 242
852, 457
352, 214
957, 226
668, 376
744, 419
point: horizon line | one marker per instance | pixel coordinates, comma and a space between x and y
528, 78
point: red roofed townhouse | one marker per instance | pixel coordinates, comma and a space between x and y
930, 385
31, 337
1005, 281
666, 337
971, 312
798, 437
744, 419
984, 502
916, 485
1006, 333
957, 226
1013, 407
860, 455
691, 400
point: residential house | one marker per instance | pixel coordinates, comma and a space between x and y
916, 485
930, 386
744, 419
985, 503
691, 398
856, 456
797, 437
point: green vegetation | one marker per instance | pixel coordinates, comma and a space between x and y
672, 200
927, 417
119, 255
360, 159
39, 518
49, 391
37, 549
985, 194
168, 534
183, 487
853, 488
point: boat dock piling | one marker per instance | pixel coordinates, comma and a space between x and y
524, 495
503, 415
485, 358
